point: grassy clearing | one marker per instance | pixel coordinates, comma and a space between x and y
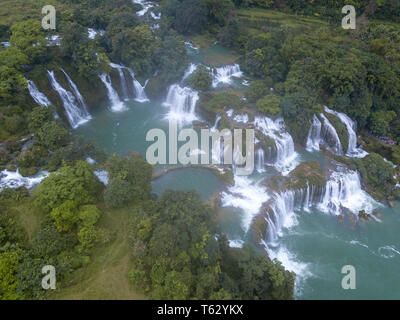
256, 18
106, 276
29, 218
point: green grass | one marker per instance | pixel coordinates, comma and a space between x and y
106, 276
256, 18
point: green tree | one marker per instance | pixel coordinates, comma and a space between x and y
8, 282
270, 104
201, 79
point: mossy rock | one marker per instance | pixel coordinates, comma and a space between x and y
307, 173
258, 228
341, 130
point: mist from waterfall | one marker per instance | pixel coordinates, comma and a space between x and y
77, 115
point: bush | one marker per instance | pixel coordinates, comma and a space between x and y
201, 79
117, 193
270, 104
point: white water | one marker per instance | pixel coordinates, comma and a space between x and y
10, 179
224, 74
241, 118
76, 115
146, 5
139, 89
285, 159
102, 175
329, 133
343, 190
260, 157
140, 94
192, 68
92, 33
182, 103
314, 135
38, 96
352, 150
247, 195
122, 80
116, 104
77, 94
217, 120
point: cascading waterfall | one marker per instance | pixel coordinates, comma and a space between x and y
314, 135
122, 79
343, 190
247, 195
352, 150
224, 74
10, 179
76, 92
328, 134
192, 68
217, 120
76, 115
139, 89
260, 156
116, 104
38, 96
182, 103
285, 159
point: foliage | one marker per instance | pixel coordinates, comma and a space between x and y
200, 79
118, 193
270, 104
76, 184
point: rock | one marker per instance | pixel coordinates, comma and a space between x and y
391, 204
376, 213
363, 215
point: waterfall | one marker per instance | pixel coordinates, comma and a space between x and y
10, 179
76, 92
285, 158
344, 190
146, 5
139, 89
281, 214
352, 150
122, 80
225, 74
246, 195
192, 68
329, 133
116, 104
139, 92
241, 118
39, 97
260, 156
182, 103
76, 115
217, 120
314, 135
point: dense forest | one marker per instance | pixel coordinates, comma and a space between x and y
175, 249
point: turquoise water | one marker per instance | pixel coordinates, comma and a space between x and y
316, 247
